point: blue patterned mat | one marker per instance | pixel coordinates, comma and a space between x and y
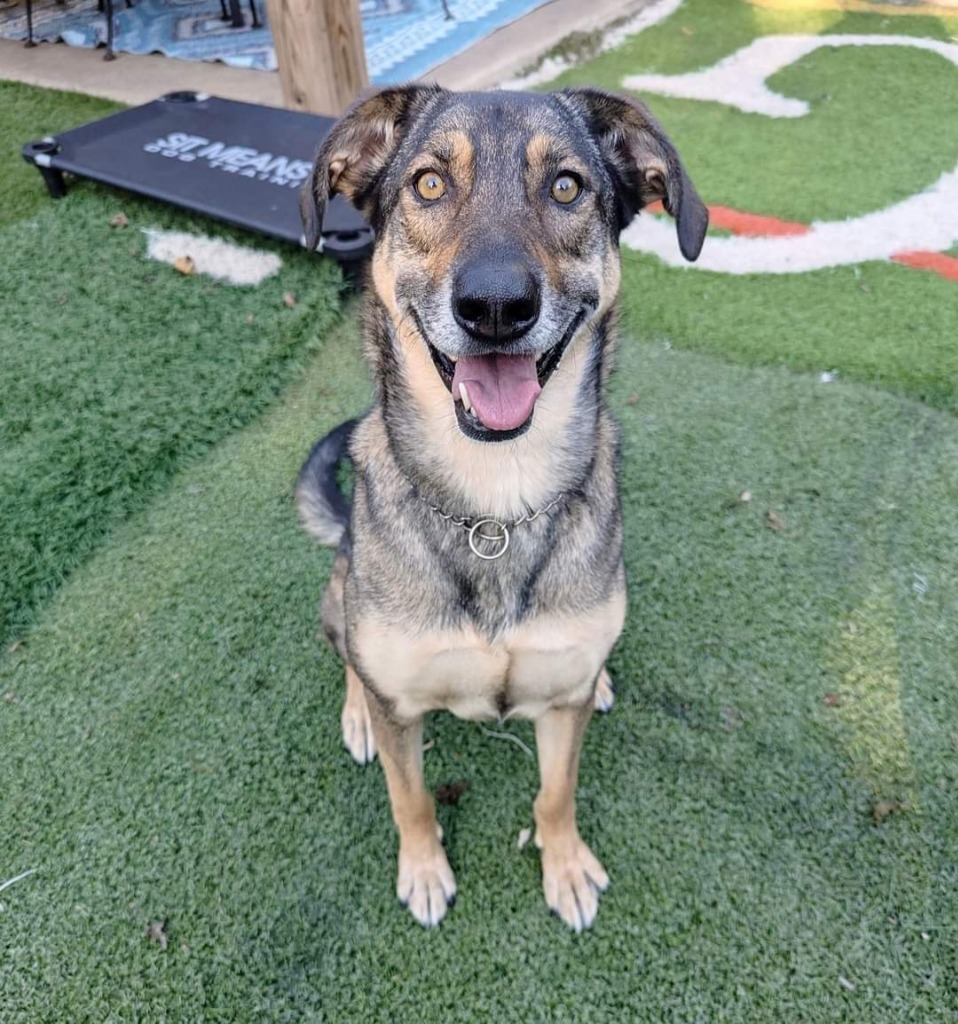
404, 38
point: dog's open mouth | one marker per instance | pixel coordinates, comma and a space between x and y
495, 395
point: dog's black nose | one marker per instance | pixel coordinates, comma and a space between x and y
496, 301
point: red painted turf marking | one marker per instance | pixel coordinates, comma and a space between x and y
752, 225
936, 262
755, 225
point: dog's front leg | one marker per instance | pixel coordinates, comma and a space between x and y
425, 884
572, 877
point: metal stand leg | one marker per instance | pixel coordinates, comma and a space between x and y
109, 55
53, 179
252, 10
40, 154
236, 15
29, 43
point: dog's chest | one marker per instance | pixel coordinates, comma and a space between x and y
548, 662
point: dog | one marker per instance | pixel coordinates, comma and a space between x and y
479, 566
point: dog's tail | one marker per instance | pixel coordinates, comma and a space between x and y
323, 510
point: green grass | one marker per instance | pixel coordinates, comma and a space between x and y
26, 114
888, 325
116, 369
169, 724
171, 745
885, 324
812, 166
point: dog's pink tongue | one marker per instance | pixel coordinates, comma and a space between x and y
502, 389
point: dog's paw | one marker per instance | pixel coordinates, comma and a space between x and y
604, 692
426, 885
358, 728
572, 879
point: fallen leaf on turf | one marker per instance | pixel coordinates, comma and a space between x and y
773, 522
525, 834
745, 496
449, 792
289, 300
686, 31
155, 933
632, 399
119, 220
882, 808
185, 265
14, 647
846, 984
832, 700
11, 698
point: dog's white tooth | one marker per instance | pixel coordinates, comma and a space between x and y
464, 395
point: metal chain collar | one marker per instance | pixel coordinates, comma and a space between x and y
474, 527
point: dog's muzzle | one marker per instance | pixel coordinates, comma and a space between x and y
495, 394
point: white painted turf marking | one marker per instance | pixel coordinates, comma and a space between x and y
927, 221
924, 222
219, 259
739, 80
552, 67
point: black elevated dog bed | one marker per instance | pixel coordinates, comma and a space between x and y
236, 162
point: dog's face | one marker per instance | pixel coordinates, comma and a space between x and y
497, 218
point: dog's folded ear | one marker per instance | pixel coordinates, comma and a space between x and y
355, 154
644, 164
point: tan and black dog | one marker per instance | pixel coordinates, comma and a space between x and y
480, 563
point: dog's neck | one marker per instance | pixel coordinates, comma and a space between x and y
470, 478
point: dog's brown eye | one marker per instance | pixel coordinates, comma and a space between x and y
565, 189
430, 185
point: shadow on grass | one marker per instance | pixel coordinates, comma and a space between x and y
117, 371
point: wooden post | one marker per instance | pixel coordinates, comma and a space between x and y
320, 51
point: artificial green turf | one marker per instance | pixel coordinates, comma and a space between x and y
875, 135
172, 752
892, 101
891, 326
116, 370
170, 728
27, 114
